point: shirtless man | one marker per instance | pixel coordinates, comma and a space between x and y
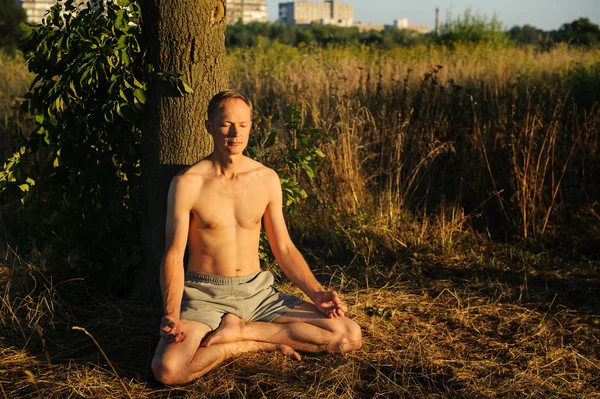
224, 305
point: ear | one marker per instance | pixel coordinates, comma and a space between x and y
208, 125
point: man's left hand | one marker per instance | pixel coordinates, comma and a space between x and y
330, 304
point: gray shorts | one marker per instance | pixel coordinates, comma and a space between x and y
206, 298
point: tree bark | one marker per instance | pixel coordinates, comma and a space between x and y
187, 37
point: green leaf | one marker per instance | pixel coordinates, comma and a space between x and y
27, 29
187, 88
125, 57
309, 171
72, 86
137, 83
121, 23
270, 140
140, 95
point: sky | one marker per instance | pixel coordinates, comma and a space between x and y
543, 14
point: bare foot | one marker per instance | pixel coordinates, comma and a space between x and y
230, 330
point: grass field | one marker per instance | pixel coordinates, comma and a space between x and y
458, 212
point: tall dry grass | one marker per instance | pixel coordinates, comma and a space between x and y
493, 131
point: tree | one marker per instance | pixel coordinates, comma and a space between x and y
11, 15
580, 32
526, 35
79, 172
186, 37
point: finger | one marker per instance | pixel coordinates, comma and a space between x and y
337, 300
335, 297
166, 329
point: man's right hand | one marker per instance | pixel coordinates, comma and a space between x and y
171, 329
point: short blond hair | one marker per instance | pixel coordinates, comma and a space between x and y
221, 98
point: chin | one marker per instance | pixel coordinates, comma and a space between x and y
239, 149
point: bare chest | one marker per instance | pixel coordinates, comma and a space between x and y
226, 204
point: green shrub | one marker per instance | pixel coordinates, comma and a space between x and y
472, 28
79, 170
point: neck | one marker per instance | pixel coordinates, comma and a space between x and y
227, 165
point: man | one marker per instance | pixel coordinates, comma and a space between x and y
224, 305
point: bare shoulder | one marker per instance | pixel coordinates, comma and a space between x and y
192, 177
265, 175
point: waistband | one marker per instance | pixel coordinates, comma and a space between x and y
219, 280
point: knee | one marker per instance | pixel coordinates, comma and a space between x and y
166, 372
348, 337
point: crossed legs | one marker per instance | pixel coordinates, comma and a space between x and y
303, 328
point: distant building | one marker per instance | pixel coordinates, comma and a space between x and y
306, 13
246, 11
363, 27
36, 9
398, 23
403, 24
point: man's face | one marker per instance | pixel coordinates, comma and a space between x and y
230, 127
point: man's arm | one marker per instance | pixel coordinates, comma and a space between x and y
179, 204
290, 259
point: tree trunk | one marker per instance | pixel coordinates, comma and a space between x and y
188, 37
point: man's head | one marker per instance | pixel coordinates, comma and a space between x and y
221, 98
229, 121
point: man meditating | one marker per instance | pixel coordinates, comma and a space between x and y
224, 305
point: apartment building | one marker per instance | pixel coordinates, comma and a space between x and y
246, 11
36, 9
330, 12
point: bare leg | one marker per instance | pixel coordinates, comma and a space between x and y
179, 363
303, 328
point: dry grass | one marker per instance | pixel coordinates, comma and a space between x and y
435, 330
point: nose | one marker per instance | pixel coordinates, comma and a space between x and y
232, 131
